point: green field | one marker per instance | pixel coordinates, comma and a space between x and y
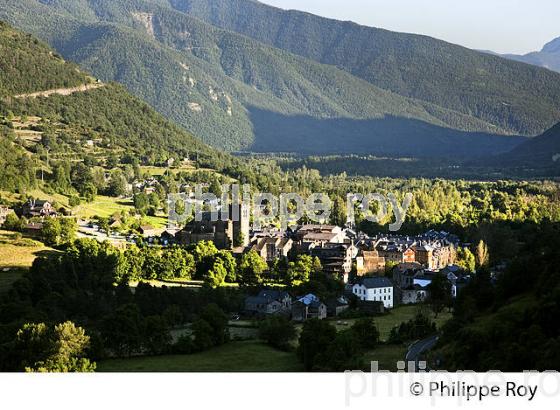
193, 284
395, 317
160, 171
387, 356
247, 356
106, 207
16, 256
14, 199
237, 332
102, 206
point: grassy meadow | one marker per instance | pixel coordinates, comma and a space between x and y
395, 317
246, 356
17, 254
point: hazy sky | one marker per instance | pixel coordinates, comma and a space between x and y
505, 26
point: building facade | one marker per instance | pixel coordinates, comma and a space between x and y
272, 248
369, 262
226, 234
375, 289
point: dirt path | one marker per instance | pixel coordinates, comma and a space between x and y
62, 91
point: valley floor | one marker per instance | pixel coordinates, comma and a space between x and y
255, 356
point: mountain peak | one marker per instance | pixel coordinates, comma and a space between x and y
552, 47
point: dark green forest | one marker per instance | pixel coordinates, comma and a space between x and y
20, 71
18, 169
510, 324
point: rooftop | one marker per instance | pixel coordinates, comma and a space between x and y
375, 282
309, 299
320, 228
273, 294
319, 236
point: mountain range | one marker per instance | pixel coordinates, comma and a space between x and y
242, 75
548, 57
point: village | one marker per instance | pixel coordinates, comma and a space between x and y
379, 272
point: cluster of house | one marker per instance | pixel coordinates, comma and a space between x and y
433, 249
277, 302
37, 208
361, 261
415, 261
408, 284
147, 186
329, 243
33, 209
231, 233
338, 249
343, 252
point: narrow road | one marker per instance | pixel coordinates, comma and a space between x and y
417, 348
62, 91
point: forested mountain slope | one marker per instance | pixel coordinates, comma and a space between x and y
512, 96
541, 151
19, 69
240, 94
116, 123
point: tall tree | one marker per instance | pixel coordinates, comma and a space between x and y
482, 254
366, 333
59, 349
302, 268
466, 259
439, 293
50, 232
278, 331
252, 267
315, 338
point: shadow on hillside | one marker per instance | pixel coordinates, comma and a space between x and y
391, 136
46, 253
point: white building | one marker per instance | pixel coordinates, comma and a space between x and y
375, 289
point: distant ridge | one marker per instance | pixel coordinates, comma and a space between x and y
539, 156
417, 66
541, 151
548, 57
